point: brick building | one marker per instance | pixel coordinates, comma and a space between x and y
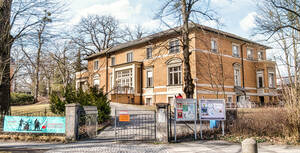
150, 69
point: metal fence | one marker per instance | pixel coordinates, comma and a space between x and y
140, 126
87, 125
45, 112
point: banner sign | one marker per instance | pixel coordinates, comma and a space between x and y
124, 116
32, 124
212, 109
185, 109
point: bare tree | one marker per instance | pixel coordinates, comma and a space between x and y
6, 41
186, 11
286, 16
279, 20
96, 33
133, 33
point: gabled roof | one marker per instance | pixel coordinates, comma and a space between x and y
168, 32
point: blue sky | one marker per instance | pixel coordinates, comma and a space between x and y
236, 15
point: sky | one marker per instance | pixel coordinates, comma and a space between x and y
237, 16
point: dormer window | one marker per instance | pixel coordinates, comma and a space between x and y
174, 46
214, 46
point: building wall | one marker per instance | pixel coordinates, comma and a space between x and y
205, 65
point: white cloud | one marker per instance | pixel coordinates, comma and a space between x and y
248, 22
120, 9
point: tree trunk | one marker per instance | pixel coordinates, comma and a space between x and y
6, 41
188, 81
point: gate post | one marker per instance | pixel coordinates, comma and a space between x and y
162, 122
72, 121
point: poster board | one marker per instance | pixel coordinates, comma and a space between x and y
34, 124
186, 109
212, 109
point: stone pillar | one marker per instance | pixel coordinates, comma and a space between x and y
72, 121
249, 146
162, 122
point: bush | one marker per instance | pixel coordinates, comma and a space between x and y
92, 97
21, 99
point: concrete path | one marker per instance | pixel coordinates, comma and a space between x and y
93, 146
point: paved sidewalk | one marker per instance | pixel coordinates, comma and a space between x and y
96, 145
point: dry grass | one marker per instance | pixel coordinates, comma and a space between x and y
30, 108
268, 123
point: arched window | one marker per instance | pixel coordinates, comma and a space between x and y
174, 71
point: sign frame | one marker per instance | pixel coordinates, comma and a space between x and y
214, 101
187, 101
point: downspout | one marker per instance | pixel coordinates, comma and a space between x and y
243, 69
106, 73
141, 85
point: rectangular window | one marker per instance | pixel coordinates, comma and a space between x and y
260, 79
129, 57
174, 46
96, 65
149, 52
235, 51
174, 75
124, 81
149, 78
271, 80
250, 53
214, 46
260, 55
113, 61
149, 101
237, 77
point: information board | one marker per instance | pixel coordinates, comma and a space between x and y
212, 109
186, 109
32, 124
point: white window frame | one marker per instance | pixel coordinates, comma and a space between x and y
151, 101
238, 50
124, 79
174, 47
96, 80
258, 75
237, 77
94, 65
129, 57
113, 62
250, 56
214, 46
147, 78
260, 57
147, 49
273, 79
179, 79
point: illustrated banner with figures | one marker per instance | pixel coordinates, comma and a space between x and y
32, 124
186, 109
212, 109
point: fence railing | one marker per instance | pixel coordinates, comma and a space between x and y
45, 112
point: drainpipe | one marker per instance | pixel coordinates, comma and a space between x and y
106, 73
243, 69
141, 85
